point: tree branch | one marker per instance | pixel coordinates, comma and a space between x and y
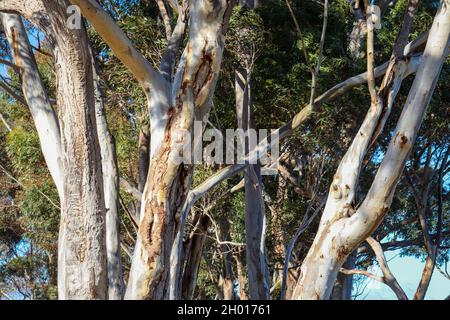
5, 123
319, 59
388, 277
12, 94
170, 54
300, 118
119, 43
165, 17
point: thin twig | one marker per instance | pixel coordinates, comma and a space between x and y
303, 226
23, 186
300, 33
319, 59
370, 57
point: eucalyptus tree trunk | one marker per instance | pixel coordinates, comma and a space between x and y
175, 100
227, 277
278, 228
193, 254
44, 117
82, 272
344, 227
82, 257
110, 172
357, 34
168, 182
257, 269
420, 185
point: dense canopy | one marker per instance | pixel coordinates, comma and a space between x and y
97, 99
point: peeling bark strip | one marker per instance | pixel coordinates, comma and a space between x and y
340, 233
82, 272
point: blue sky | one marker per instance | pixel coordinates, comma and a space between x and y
408, 271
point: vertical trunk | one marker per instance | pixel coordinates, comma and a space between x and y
357, 34
258, 274
110, 172
342, 289
44, 117
227, 260
277, 228
82, 272
338, 237
194, 255
241, 276
432, 248
168, 182
425, 280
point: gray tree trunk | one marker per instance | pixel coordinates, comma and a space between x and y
342, 289
194, 254
258, 274
82, 269
110, 172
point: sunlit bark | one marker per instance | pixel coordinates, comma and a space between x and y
344, 227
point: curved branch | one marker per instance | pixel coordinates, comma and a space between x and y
388, 276
364, 273
304, 115
119, 43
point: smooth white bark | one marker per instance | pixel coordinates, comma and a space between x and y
44, 117
342, 229
110, 172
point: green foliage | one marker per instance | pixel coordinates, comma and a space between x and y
266, 41
24, 150
41, 215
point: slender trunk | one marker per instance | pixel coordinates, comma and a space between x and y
194, 254
258, 274
44, 117
110, 172
277, 228
227, 260
241, 276
432, 249
357, 34
427, 273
